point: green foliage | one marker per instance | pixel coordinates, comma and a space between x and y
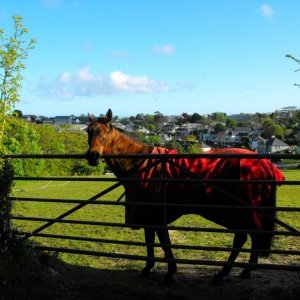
6, 182
13, 51
49, 139
22, 138
219, 117
138, 135
219, 127
190, 138
176, 145
153, 140
194, 148
231, 123
196, 118
297, 61
26, 138
150, 126
272, 129
25, 274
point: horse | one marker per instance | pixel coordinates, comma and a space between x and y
105, 139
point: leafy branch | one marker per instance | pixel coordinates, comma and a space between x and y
297, 61
13, 51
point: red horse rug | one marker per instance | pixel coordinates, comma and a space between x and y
238, 192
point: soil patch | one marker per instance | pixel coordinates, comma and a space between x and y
190, 283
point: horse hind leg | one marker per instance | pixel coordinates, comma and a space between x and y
149, 240
253, 258
238, 242
164, 239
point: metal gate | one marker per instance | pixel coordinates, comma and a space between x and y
284, 229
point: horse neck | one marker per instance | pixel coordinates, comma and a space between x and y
119, 143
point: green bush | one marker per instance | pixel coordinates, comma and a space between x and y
6, 181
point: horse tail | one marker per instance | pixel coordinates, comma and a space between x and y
268, 220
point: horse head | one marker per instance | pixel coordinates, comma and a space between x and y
98, 136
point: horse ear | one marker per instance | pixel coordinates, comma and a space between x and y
109, 116
91, 118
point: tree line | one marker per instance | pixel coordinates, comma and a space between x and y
284, 127
22, 137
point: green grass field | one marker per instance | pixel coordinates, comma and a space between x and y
286, 196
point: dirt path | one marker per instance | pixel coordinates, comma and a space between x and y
92, 284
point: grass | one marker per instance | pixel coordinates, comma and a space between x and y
27, 274
287, 196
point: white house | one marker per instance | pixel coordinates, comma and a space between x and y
63, 120
272, 145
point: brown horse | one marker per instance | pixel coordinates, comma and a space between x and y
104, 139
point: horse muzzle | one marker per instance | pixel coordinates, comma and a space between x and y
92, 158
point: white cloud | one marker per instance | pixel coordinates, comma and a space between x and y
167, 49
84, 83
135, 84
65, 77
266, 11
84, 75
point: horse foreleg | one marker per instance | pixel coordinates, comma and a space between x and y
165, 241
238, 242
149, 239
253, 257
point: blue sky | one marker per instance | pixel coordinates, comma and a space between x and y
171, 56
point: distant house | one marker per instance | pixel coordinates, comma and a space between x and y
63, 120
222, 138
143, 130
205, 147
188, 128
182, 131
49, 121
272, 145
259, 144
169, 127
165, 138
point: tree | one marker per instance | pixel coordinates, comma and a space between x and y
17, 113
219, 127
231, 123
297, 61
195, 118
6, 183
186, 117
219, 117
154, 140
13, 51
272, 129
22, 138
158, 120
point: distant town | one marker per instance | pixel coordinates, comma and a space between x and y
276, 132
